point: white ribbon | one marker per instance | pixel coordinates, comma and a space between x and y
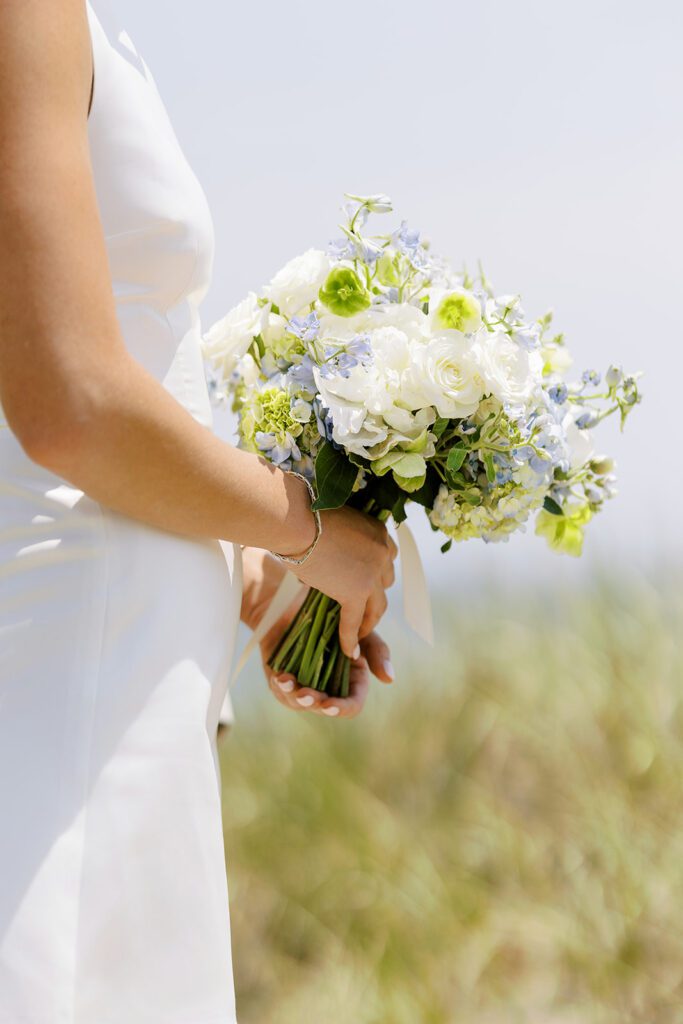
417, 608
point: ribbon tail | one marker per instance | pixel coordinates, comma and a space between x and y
417, 606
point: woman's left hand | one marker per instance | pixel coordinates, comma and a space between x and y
262, 575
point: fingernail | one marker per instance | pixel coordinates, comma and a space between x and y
356, 652
306, 700
286, 685
388, 668
332, 710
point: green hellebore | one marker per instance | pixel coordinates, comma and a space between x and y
344, 293
564, 533
459, 311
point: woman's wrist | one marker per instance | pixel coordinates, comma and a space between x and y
301, 527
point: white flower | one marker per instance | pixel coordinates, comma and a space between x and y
297, 284
228, 340
556, 359
445, 375
248, 370
511, 372
580, 442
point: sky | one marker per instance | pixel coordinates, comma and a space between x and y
543, 138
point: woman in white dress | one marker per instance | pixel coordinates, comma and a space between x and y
118, 602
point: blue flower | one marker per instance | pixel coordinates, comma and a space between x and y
586, 420
590, 377
528, 337
323, 418
359, 347
341, 249
277, 451
301, 374
405, 239
306, 327
558, 393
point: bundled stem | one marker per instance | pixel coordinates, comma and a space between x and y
309, 649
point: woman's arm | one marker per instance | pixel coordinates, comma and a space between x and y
77, 401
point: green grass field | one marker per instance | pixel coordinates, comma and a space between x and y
496, 839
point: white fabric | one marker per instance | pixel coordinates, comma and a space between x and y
417, 606
115, 647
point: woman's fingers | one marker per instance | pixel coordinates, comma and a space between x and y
359, 684
374, 610
303, 698
378, 656
350, 621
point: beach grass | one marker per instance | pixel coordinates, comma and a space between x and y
497, 839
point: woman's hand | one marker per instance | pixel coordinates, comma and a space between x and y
262, 575
353, 564
374, 657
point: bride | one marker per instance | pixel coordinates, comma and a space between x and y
118, 602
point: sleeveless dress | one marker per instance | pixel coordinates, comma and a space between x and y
115, 647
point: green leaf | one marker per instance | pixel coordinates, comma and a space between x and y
456, 457
447, 546
439, 426
429, 490
382, 465
550, 505
409, 483
490, 467
334, 477
398, 511
410, 465
455, 480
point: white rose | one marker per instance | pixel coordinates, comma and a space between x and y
297, 284
511, 372
446, 375
228, 340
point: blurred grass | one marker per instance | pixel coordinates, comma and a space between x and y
496, 839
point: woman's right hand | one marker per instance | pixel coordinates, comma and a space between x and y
353, 563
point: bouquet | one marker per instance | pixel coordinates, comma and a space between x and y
384, 376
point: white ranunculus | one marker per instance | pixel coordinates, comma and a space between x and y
297, 284
445, 374
228, 340
511, 372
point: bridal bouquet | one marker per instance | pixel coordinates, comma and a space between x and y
384, 376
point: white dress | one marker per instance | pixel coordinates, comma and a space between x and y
115, 647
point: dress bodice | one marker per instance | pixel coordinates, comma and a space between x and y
156, 220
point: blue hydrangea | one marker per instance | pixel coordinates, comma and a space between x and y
277, 450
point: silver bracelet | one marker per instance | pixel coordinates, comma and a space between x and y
300, 559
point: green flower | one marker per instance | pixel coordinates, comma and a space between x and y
344, 293
458, 311
564, 533
387, 270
